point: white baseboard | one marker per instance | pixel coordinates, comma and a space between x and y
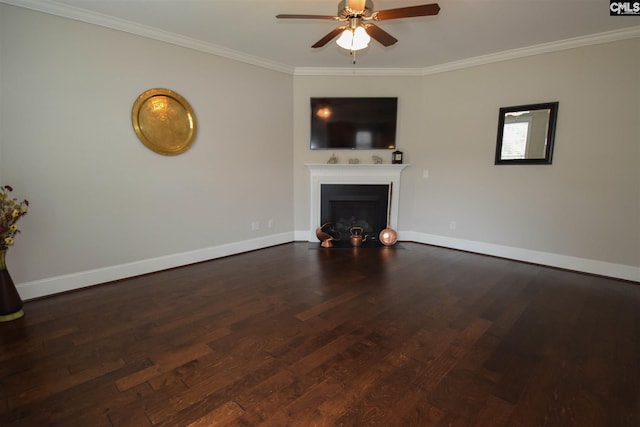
618, 271
69, 282
301, 235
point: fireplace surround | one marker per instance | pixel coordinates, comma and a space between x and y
351, 174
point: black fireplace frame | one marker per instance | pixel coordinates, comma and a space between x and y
368, 204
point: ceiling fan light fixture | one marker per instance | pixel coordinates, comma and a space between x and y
353, 40
360, 38
345, 39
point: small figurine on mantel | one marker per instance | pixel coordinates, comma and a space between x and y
354, 161
377, 160
332, 160
396, 157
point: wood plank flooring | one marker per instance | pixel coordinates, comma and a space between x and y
298, 335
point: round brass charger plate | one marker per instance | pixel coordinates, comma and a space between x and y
164, 121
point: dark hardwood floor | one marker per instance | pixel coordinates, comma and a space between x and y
297, 335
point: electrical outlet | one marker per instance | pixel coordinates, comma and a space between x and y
425, 173
453, 225
255, 225
270, 223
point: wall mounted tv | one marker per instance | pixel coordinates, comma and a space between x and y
353, 123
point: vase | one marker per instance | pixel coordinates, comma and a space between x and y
10, 302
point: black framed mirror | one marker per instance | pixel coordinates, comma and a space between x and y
526, 134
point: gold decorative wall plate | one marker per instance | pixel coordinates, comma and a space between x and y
164, 121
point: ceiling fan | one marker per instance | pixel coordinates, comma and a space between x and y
358, 28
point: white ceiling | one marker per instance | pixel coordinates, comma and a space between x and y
464, 30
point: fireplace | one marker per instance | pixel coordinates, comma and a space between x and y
345, 206
353, 174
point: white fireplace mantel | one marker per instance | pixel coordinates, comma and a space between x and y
352, 174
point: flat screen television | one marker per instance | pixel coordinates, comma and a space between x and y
353, 123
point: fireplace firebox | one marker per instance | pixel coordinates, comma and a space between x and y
344, 206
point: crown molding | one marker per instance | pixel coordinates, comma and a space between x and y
357, 72
77, 14
82, 15
593, 39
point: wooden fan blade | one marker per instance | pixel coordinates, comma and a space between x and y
326, 39
407, 12
380, 35
286, 16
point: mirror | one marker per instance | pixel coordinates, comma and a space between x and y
526, 134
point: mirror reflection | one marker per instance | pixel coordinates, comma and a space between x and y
526, 134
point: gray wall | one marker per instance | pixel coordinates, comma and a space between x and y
101, 202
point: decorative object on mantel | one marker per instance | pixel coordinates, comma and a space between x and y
388, 236
332, 160
164, 121
11, 210
377, 160
396, 157
354, 161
